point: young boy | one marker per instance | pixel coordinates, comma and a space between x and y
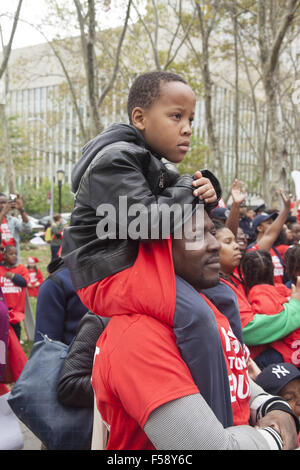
129, 171
14, 278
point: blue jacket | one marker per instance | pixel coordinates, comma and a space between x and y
59, 308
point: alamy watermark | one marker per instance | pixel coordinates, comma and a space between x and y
152, 222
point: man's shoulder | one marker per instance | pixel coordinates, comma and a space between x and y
141, 332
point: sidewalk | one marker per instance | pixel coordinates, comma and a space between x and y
31, 442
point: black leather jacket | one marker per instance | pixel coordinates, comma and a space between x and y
118, 163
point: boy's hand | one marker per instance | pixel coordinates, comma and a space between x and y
205, 190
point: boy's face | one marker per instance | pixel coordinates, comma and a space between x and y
167, 124
11, 256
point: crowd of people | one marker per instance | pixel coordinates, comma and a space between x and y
189, 342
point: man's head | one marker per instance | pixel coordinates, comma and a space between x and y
261, 222
283, 380
161, 106
199, 267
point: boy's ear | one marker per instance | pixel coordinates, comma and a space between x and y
138, 118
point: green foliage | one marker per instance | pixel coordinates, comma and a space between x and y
36, 199
20, 146
196, 157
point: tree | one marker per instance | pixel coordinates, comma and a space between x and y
10, 170
7, 49
269, 61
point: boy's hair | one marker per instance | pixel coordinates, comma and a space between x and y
257, 268
292, 261
145, 89
8, 248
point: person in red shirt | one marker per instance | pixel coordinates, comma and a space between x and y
143, 388
13, 281
267, 228
268, 298
36, 277
259, 328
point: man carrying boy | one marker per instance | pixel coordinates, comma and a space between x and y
125, 163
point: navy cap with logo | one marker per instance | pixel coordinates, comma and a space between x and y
220, 213
276, 376
259, 219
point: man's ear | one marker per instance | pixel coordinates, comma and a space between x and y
138, 118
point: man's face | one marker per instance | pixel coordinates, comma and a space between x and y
243, 211
199, 267
167, 124
291, 393
264, 225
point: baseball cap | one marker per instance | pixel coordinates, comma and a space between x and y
258, 219
262, 207
276, 376
32, 260
220, 213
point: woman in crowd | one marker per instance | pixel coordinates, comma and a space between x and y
258, 329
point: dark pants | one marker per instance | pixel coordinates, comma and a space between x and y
54, 251
17, 329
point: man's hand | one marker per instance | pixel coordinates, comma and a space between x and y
205, 190
284, 424
238, 193
286, 199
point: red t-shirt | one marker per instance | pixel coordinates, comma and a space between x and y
278, 268
269, 300
236, 359
14, 295
7, 238
138, 366
36, 279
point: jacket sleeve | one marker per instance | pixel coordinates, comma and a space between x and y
50, 311
74, 384
268, 328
